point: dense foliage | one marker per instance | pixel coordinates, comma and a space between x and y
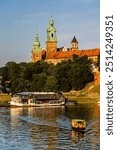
68, 75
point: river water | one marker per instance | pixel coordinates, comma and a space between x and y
49, 128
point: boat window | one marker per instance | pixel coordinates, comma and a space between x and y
38, 102
32, 101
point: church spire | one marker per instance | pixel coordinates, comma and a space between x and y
36, 50
74, 43
51, 31
36, 37
74, 40
36, 45
51, 40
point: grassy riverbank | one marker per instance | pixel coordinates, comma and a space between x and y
4, 99
89, 94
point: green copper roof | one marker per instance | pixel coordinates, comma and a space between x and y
36, 45
51, 22
51, 31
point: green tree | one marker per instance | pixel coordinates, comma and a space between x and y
37, 67
81, 72
28, 73
4, 74
51, 84
20, 85
41, 76
22, 69
39, 81
62, 75
51, 70
12, 70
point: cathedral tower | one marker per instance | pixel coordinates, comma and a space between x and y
36, 50
51, 41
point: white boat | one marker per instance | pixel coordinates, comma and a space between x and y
38, 99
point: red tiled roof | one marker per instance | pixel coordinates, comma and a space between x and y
92, 52
69, 54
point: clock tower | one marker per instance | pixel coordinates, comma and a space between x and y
51, 40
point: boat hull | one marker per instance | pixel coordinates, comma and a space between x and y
34, 105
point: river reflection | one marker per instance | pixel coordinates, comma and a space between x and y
49, 128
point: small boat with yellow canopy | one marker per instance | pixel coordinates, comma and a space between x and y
78, 124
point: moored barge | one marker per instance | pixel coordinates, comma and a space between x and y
38, 99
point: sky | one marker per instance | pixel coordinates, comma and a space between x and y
21, 19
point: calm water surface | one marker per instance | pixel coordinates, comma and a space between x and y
49, 128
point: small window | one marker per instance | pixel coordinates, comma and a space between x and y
52, 35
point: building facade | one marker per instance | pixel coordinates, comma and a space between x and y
53, 54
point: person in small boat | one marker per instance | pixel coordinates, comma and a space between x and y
78, 125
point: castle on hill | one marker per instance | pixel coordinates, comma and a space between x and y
53, 54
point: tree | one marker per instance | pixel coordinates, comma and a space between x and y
20, 85
37, 67
39, 81
22, 69
75, 58
28, 73
51, 84
41, 76
12, 70
62, 75
51, 70
81, 72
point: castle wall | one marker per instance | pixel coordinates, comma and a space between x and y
97, 78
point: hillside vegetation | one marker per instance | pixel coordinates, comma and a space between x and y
89, 94
68, 75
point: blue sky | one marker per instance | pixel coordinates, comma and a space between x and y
20, 19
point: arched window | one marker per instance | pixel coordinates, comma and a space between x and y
52, 35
